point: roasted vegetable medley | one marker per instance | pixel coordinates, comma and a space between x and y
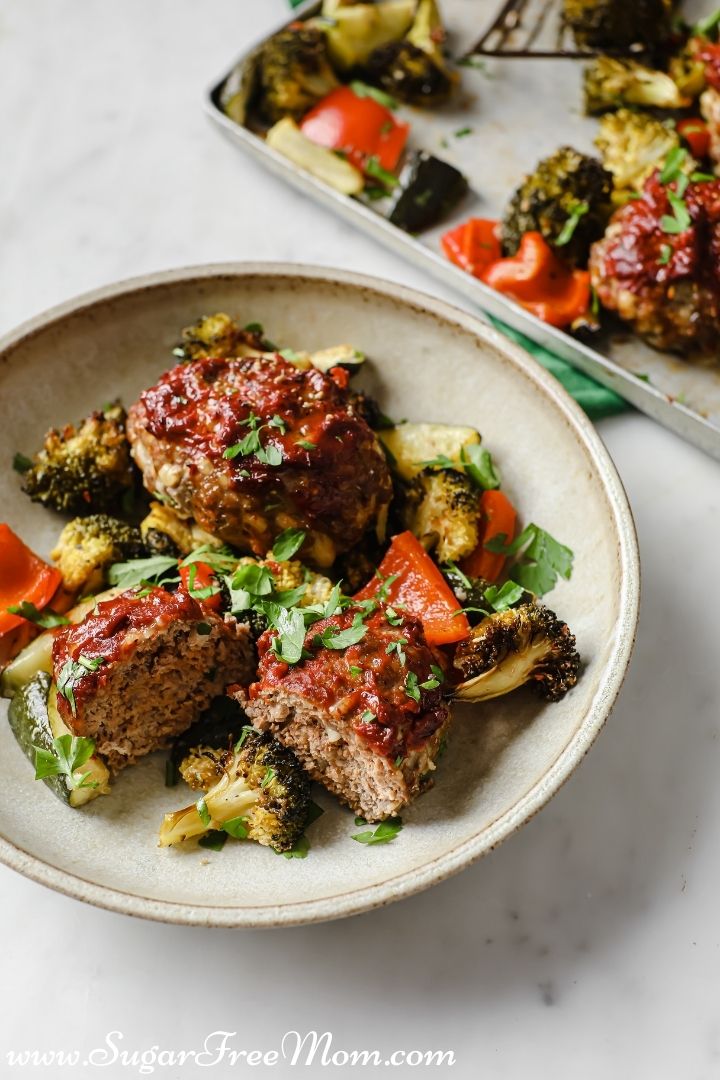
299, 591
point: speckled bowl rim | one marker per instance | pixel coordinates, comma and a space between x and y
355, 901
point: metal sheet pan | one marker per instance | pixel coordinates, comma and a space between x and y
518, 111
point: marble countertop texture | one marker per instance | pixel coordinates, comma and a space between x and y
588, 946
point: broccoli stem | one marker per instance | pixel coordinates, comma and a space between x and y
229, 799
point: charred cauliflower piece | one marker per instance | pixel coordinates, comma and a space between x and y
84, 469
198, 754
164, 532
526, 644
566, 186
617, 24
443, 513
87, 545
219, 335
612, 84
633, 145
293, 73
262, 795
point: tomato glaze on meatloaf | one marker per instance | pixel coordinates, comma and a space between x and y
253, 446
140, 669
366, 721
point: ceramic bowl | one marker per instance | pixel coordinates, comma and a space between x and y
429, 361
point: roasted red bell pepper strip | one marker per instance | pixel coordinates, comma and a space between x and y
538, 280
23, 576
363, 129
497, 517
473, 246
696, 134
200, 581
412, 579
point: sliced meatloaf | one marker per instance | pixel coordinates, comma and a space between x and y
140, 669
367, 720
252, 446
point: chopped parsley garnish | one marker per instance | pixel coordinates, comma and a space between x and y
397, 648
254, 328
383, 591
299, 849
215, 840
412, 687
374, 168
47, 618
436, 679
475, 460
502, 597
247, 729
355, 671
332, 638
268, 777
291, 356
383, 834
71, 673
674, 162
666, 253
462, 132
287, 544
289, 641
539, 558
251, 444
69, 753
567, 232
237, 827
362, 90
305, 444
367, 716
392, 616
20, 463
680, 220
398, 761
126, 575
204, 813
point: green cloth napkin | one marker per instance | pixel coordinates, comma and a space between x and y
590, 395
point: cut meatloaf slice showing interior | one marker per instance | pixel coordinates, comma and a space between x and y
334, 755
367, 720
139, 670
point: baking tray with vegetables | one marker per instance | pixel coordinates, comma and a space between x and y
556, 164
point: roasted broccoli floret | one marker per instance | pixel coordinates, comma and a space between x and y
414, 69
567, 199
219, 335
525, 644
633, 145
611, 84
262, 795
88, 545
198, 754
617, 24
442, 511
84, 469
293, 73
471, 594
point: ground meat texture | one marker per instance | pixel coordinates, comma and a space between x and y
358, 718
306, 459
666, 285
143, 668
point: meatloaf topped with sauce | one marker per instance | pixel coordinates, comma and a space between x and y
140, 669
366, 721
253, 446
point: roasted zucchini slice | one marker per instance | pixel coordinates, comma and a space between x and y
36, 722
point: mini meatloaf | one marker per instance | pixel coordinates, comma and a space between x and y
250, 447
658, 266
140, 669
366, 721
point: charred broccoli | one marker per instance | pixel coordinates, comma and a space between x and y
88, 545
83, 470
526, 644
442, 511
611, 84
414, 69
567, 199
355, 30
262, 795
198, 754
293, 73
633, 145
218, 335
617, 24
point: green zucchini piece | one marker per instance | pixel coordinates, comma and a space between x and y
35, 722
429, 189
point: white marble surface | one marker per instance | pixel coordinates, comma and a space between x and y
588, 946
